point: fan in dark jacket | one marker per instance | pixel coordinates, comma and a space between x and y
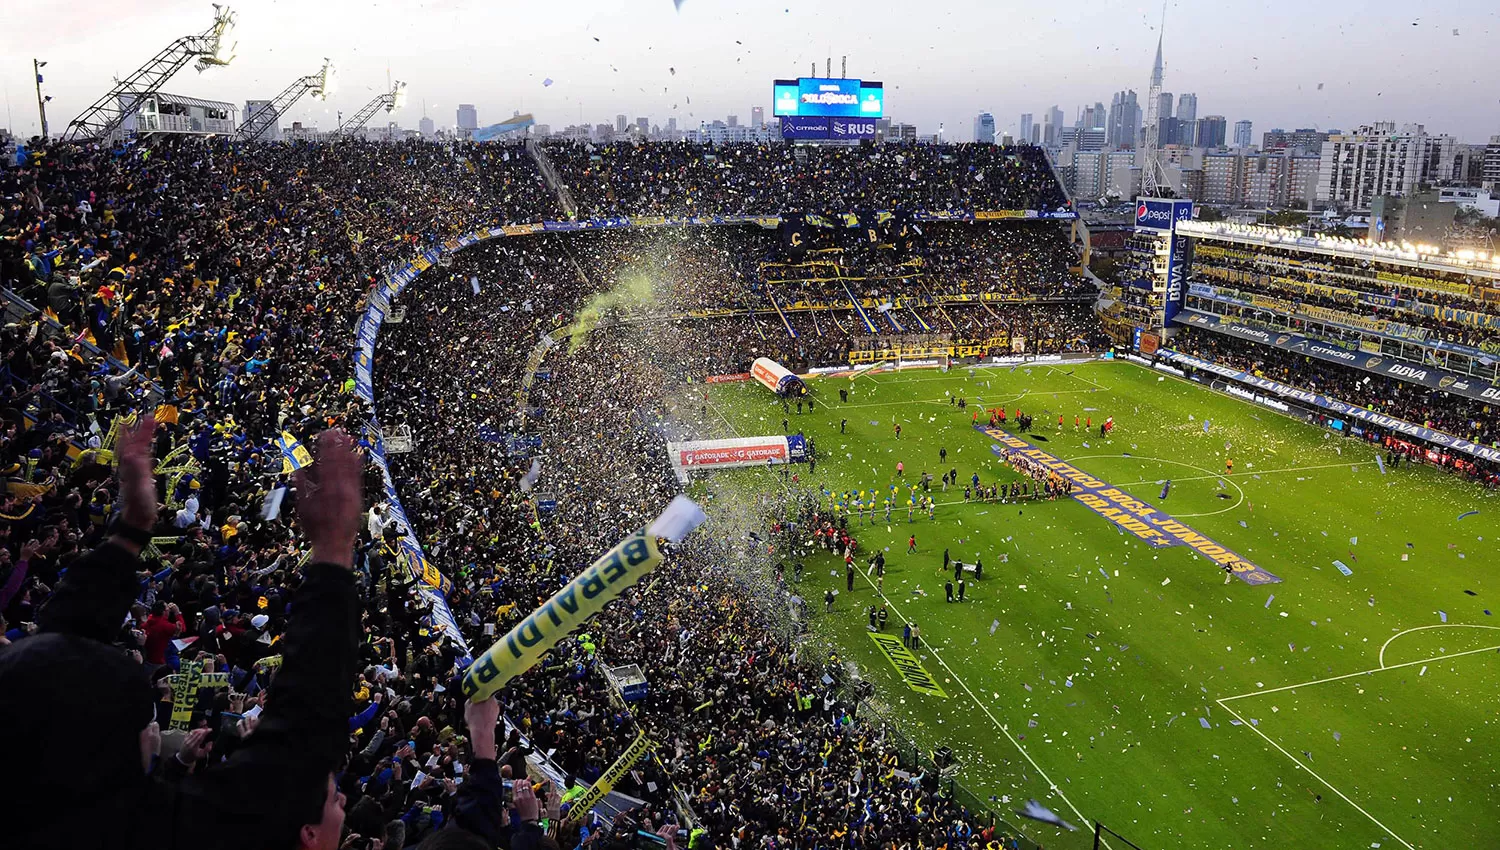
79, 713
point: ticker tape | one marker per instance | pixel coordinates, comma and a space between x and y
583, 597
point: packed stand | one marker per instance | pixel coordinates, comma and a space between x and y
1410, 402
685, 179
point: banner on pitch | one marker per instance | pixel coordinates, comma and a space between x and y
907, 664
1155, 527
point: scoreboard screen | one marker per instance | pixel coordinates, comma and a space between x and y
822, 97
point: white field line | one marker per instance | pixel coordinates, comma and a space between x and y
1224, 704
1425, 628
1314, 775
1053, 786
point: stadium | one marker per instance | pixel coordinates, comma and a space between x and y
528, 492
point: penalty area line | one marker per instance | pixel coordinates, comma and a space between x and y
1314, 775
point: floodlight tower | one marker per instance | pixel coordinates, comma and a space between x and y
319, 85
210, 47
390, 101
1154, 181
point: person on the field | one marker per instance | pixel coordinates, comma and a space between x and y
1165, 489
882, 617
961, 586
906, 634
842, 424
900, 468
911, 545
916, 636
1229, 466
942, 455
844, 396
947, 560
958, 570
849, 576
948, 589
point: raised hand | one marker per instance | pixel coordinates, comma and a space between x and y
525, 802
328, 499
137, 488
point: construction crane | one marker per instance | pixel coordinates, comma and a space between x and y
319, 85
211, 48
390, 101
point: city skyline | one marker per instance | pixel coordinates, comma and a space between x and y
1342, 65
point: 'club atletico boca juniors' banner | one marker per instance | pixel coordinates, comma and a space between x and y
1127, 512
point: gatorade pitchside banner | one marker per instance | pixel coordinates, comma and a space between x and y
1129, 513
912, 672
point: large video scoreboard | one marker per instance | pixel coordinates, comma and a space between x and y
826, 108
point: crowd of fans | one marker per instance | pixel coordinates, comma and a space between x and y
214, 286
1472, 420
683, 179
210, 290
1339, 286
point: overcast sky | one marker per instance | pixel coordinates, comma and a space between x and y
941, 62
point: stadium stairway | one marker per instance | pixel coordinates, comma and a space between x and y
549, 173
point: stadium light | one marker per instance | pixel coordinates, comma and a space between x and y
328, 81
220, 50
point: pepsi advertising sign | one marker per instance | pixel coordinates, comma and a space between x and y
1161, 213
823, 97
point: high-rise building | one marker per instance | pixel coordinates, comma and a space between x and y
1378, 160
1468, 166
1305, 139
643, 126
468, 118
1187, 113
734, 120
272, 133
757, 116
1094, 117
1302, 179
1124, 128
1266, 179
1036, 134
427, 127
1088, 170
1242, 131
1025, 134
620, 124
1053, 127
1221, 178
1211, 130
1491, 174
984, 128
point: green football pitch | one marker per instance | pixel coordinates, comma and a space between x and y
1139, 686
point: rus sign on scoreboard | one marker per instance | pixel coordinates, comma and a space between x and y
822, 97
798, 127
